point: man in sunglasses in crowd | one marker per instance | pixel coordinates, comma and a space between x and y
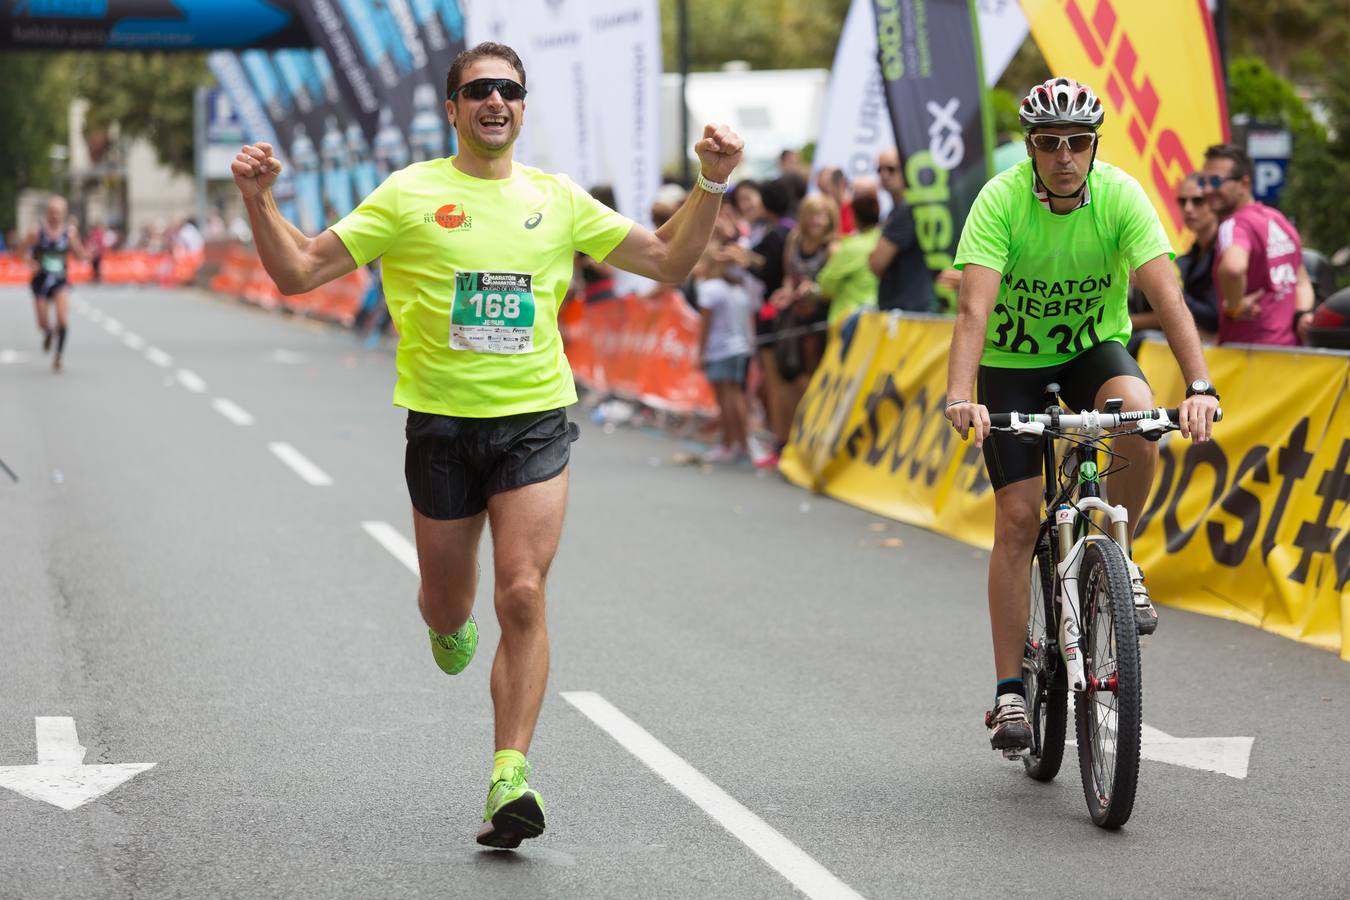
897, 259
1045, 256
1265, 292
477, 254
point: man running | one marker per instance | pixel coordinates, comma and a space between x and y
477, 253
51, 244
1048, 248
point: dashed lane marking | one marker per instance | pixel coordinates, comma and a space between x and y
398, 546
786, 858
300, 464
230, 410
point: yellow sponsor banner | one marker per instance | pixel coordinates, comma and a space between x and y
1155, 64
1253, 526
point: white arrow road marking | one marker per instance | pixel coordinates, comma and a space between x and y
8, 357
158, 357
60, 776
389, 538
191, 380
231, 411
1223, 755
300, 464
789, 860
112, 326
133, 340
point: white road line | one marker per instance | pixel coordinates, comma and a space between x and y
231, 411
390, 539
789, 860
113, 326
95, 315
299, 464
158, 357
134, 341
191, 380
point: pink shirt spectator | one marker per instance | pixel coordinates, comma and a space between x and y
1274, 255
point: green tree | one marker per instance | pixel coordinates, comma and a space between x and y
1295, 37
768, 34
148, 95
1314, 197
33, 108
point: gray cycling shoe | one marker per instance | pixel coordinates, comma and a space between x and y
1145, 616
1009, 728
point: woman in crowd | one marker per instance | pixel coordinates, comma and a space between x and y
801, 314
1195, 267
727, 299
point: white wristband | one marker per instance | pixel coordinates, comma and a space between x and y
712, 187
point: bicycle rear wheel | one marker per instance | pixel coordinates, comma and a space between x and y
1110, 712
1043, 676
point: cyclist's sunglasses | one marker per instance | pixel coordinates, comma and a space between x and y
482, 88
1050, 143
1214, 182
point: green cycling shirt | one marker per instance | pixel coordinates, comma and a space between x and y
1065, 277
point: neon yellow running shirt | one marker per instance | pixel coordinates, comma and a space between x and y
474, 272
1065, 278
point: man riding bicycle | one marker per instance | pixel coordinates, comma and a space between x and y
1048, 249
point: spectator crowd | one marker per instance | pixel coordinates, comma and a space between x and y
784, 265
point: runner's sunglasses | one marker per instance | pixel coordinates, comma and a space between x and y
1050, 143
482, 88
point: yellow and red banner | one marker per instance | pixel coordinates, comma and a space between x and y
1155, 64
1253, 526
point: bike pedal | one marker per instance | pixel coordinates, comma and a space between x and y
1014, 753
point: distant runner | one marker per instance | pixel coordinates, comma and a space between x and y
51, 244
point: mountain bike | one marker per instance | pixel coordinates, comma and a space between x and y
1081, 633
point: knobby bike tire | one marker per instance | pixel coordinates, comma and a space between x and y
1042, 671
1108, 613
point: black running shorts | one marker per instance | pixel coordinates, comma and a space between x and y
45, 284
454, 464
1006, 456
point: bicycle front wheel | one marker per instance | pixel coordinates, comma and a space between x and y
1042, 674
1109, 713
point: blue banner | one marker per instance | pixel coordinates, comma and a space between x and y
151, 24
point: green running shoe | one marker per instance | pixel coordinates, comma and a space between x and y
454, 651
514, 811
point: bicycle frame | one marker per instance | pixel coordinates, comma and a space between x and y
1072, 534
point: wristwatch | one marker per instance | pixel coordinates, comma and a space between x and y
1201, 386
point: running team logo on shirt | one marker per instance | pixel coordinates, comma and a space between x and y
1277, 242
451, 217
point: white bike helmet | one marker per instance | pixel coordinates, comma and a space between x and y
1061, 101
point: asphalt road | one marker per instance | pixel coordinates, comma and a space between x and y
192, 601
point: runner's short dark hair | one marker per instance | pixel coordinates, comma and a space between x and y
1242, 163
485, 50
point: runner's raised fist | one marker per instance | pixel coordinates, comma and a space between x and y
719, 152
255, 169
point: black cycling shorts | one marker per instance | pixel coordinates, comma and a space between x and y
1007, 457
45, 284
454, 464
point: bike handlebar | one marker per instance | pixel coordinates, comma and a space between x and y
1147, 419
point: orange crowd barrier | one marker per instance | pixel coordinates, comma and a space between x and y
239, 273
638, 348
116, 267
